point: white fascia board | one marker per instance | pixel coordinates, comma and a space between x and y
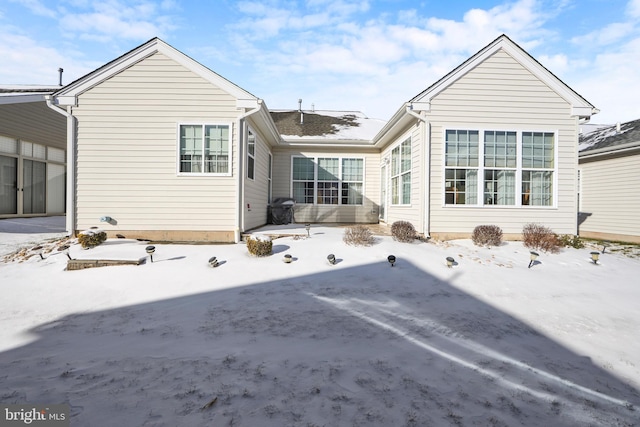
421, 106
21, 99
139, 54
247, 103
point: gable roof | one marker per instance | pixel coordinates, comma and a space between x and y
580, 106
325, 127
422, 102
67, 95
610, 139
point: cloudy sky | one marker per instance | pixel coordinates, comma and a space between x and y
361, 55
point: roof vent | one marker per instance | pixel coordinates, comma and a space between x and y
60, 70
300, 110
618, 127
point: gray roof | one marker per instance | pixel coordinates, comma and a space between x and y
325, 125
608, 139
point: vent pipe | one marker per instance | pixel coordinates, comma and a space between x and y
618, 127
300, 110
60, 70
313, 107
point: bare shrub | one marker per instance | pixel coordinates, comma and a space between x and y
358, 235
403, 231
489, 235
536, 236
91, 238
572, 241
259, 245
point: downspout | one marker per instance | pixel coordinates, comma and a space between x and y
240, 212
71, 162
426, 167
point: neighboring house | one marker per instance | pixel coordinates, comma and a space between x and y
167, 149
32, 153
609, 161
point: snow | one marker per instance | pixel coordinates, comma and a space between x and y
366, 128
257, 342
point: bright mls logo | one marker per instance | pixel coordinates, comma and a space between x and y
34, 415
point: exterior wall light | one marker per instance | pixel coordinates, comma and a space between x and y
307, 227
213, 262
106, 219
331, 258
287, 259
532, 258
595, 256
391, 259
150, 250
450, 261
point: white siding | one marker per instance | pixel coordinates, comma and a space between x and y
365, 213
256, 190
127, 151
609, 198
500, 94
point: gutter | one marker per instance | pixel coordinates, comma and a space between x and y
425, 159
71, 164
240, 212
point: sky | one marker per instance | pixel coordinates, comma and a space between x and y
369, 56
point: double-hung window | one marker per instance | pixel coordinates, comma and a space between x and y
499, 168
537, 168
205, 149
251, 154
461, 167
401, 174
327, 180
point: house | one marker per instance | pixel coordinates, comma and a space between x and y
166, 149
609, 164
32, 153
492, 142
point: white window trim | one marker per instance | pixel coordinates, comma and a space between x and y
315, 178
231, 144
390, 171
519, 169
270, 178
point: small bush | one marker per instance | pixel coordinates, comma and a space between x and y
536, 236
403, 231
489, 235
358, 235
91, 238
571, 241
259, 245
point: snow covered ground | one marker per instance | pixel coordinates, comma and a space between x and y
257, 342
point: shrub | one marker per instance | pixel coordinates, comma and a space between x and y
91, 238
536, 236
489, 235
403, 231
259, 245
572, 241
358, 235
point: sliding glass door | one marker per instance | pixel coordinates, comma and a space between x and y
35, 186
8, 185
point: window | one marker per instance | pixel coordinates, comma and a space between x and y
461, 162
504, 168
401, 174
537, 168
269, 182
303, 179
251, 154
328, 180
205, 149
500, 161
